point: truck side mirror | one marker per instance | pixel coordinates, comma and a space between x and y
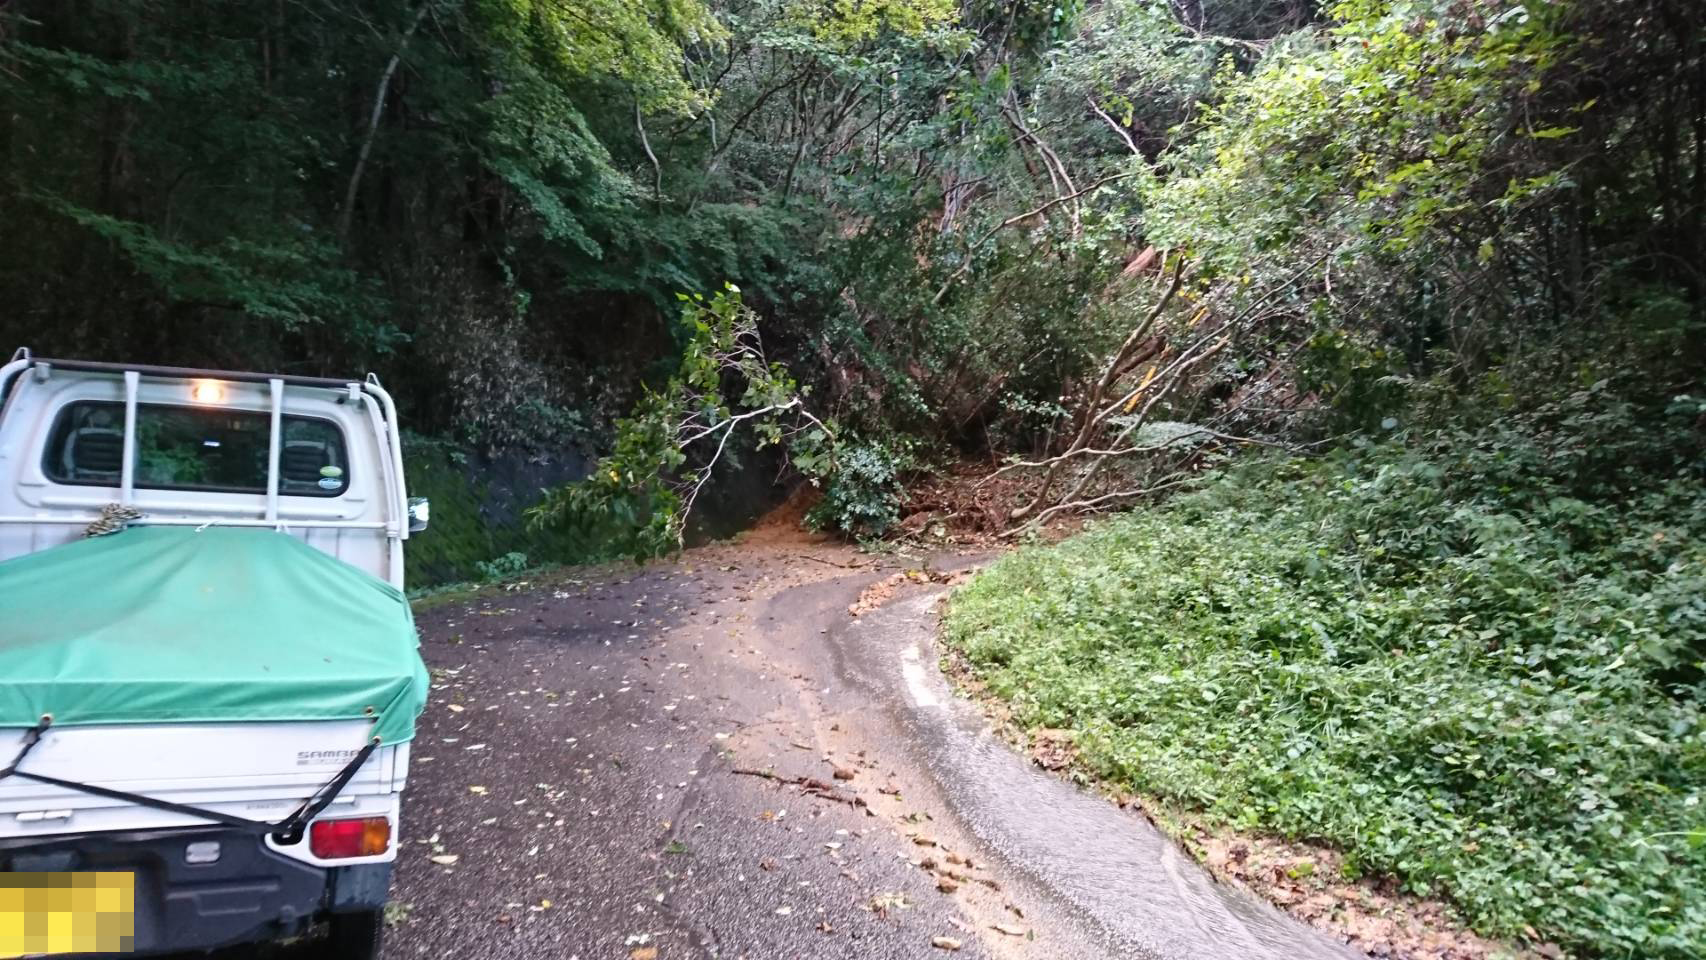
420, 513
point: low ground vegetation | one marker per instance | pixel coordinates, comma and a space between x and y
1470, 660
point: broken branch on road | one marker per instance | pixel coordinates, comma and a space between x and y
810, 785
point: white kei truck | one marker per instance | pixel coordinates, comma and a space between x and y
209, 675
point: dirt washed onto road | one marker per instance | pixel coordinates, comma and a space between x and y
715, 757
651, 766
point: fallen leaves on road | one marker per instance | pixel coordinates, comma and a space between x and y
882, 903
643, 953
446, 859
945, 943
1009, 929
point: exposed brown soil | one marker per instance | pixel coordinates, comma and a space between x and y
883, 590
962, 505
786, 523
957, 506
1306, 881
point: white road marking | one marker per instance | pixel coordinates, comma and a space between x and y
913, 671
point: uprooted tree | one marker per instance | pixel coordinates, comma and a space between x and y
643, 493
1207, 354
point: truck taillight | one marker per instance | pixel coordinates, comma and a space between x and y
341, 839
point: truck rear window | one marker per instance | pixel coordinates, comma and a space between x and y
195, 448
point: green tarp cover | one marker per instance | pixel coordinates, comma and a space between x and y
172, 625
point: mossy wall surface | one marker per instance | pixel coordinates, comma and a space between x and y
480, 502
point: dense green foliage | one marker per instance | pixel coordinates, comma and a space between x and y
865, 498
1461, 186
1472, 660
939, 211
439, 190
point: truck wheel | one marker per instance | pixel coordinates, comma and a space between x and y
357, 936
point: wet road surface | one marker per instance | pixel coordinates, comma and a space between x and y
1110, 869
711, 758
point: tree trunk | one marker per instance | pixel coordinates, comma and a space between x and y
348, 208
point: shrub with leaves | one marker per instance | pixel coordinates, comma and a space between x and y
863, 498
508, 565
1473, 660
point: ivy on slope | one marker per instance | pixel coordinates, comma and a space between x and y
1473, 661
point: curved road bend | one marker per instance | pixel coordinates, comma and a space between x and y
711, 758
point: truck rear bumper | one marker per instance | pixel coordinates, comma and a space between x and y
249, 893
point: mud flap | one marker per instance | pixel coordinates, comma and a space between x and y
364, 886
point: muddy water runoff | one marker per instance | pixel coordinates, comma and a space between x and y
1103, 866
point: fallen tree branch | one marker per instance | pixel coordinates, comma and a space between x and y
1134, 451
1129, 142
1110, 374
832, 563
1018, 218
646, 488
1094, 503
1176, 373
811, 785
1107, 422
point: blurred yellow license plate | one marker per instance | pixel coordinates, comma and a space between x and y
48, 913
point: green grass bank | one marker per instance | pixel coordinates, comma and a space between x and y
1469, 661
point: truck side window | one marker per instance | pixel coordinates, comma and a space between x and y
195, 448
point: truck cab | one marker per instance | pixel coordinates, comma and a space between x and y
208, 675
187, 447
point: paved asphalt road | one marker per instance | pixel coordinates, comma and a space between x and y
608, 746
712, 758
